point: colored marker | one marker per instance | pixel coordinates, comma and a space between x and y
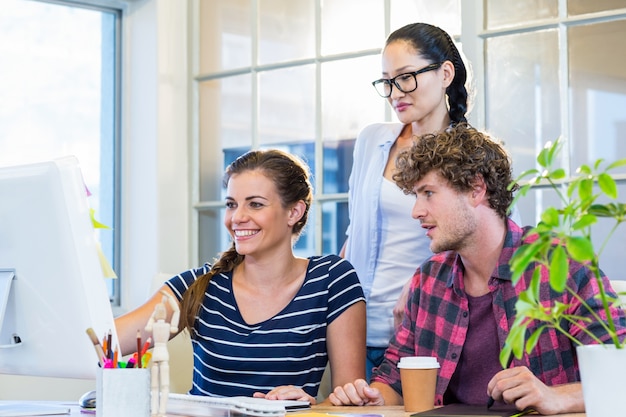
138, 349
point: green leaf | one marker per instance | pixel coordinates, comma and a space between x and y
505, 354
523, 256
550, 217
557, 174
553, 150
580, 248
585, 221
558, 269
607, 185
616, 164
533, 339
585, 188
543, 159
527, 173
601, 210
584, 170
516, 338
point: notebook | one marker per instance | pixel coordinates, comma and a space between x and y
463, 410
202, 406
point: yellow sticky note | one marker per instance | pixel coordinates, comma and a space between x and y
107, 271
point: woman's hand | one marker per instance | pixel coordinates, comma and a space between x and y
356, 393
286, 392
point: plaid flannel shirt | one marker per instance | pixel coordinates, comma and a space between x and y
437, 317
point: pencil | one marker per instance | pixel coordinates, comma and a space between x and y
96, 345
115, 358
146, 346
110, 345
138, 348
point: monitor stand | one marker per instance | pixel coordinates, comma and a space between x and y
8, 335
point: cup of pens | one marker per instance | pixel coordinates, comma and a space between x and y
122, 388
123, 392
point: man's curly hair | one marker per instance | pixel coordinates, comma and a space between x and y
460, 154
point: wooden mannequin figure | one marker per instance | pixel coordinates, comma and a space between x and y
160, 372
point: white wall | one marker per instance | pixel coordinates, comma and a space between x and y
155, 172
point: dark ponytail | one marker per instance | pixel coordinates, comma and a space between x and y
435, 45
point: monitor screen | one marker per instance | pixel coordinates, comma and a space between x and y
48, 243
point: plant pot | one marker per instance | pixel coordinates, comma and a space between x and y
602, 372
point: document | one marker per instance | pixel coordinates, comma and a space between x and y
18, 409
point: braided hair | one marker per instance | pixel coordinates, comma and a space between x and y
291, 178
435, 45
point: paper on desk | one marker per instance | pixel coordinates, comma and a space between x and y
16, 409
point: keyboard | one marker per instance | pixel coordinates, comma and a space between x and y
204, 406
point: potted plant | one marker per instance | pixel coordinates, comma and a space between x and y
564, 235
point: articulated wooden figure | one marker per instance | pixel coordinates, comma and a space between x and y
160, 371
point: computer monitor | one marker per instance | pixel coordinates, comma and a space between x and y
48, 243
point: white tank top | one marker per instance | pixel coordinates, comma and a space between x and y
403, 247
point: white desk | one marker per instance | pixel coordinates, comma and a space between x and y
387, 411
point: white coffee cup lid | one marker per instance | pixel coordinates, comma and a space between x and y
418, 362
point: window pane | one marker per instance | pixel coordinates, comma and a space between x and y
522, 97
225, 35
286, 30
348, 25
598, 92
338, 157
334, 224
443, 13
575, 7
225, 122
500, 13
349, 101
212, 235
57, 83
287, 105
612, 257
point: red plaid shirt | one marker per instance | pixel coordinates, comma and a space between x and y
437, 317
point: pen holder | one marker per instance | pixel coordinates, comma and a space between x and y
123, 392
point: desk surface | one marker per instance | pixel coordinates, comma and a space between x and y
386, 411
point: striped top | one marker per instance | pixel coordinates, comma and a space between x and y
234, 358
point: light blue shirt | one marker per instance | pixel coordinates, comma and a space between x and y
366, 236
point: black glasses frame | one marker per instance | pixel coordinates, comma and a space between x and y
392, 81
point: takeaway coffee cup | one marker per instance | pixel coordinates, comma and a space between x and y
418, 375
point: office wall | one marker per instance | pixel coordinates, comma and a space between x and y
155, 183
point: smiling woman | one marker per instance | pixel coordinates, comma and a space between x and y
263, 321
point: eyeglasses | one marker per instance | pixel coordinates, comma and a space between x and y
406, 82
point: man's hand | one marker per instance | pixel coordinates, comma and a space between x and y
521, 387
356, 393
398, 309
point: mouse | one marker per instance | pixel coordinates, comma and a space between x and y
88, 400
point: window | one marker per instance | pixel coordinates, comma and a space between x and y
293, 75
59, 88
554, 68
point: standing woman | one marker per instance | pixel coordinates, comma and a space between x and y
423, 79
262, 321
